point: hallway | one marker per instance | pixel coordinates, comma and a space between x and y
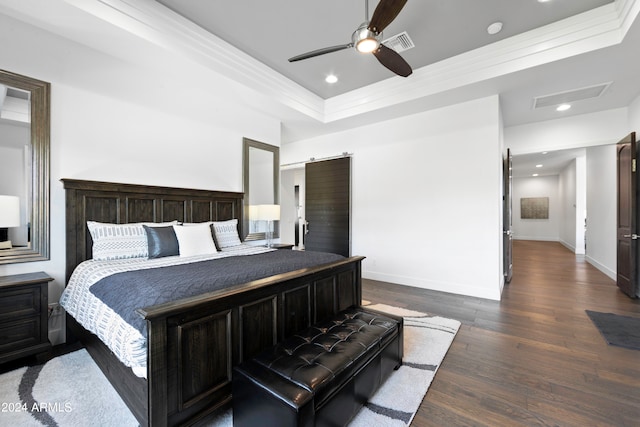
533, 358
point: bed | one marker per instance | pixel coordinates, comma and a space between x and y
193, 342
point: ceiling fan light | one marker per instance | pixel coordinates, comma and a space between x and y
365, 40
367, 45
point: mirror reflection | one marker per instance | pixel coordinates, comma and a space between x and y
15, 167
261, 181
24, 168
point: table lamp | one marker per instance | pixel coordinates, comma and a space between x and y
269, 213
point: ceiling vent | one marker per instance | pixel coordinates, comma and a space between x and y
570, 96
399, 42
17, 93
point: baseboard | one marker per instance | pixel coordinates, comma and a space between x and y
449, 287
606, 270
536, 238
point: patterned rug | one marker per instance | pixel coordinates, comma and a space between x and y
70, 390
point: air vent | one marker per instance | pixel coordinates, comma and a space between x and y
17, 93
570, 96
399, 42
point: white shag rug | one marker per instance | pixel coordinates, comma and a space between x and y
70, 390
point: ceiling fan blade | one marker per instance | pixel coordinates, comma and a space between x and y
385, 13
393, 61
319, 52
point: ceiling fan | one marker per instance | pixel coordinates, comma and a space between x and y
367, 38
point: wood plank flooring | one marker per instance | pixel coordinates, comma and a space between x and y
534, 358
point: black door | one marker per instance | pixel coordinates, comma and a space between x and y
328, 206
507, 218
627, 237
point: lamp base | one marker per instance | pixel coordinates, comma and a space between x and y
5, 245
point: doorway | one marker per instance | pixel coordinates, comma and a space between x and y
558, 180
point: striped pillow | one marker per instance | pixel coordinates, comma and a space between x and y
226, 233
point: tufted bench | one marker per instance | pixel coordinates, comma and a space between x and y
322, 375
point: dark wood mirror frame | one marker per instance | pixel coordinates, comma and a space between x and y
247, 145
38, 249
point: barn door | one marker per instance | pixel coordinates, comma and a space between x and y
627, 237
328, 206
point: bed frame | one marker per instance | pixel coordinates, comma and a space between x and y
193, 343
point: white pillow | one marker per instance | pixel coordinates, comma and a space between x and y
226, 233
195, 240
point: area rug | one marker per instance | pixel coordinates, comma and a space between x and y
70, 390
621, 331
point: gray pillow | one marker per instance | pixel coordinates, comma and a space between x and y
162, 241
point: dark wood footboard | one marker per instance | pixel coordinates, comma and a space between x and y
193, 343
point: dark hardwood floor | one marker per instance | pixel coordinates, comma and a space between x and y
534, 358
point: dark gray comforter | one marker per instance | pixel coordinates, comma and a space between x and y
125, 292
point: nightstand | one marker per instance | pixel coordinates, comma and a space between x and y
281, 246
24, 326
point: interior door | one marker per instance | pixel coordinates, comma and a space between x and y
328, 206
627, 239
507, 217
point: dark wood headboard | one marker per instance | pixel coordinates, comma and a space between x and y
123, 203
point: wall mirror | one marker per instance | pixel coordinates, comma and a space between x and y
24, 168
261, 168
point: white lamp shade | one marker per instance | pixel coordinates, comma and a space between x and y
9, 211
269, 212
254, 212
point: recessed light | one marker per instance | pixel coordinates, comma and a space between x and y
331, 79
543, 1
544, 152
535, 174
494, 28
538, 166
563, 107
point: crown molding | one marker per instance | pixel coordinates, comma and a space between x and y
159, 25
628, 10
599, 28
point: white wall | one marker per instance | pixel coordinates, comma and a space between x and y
634, 116
580, 209
537, 229
601, 209
567, 199
426, 199
587, 130
112, 120
572, 199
